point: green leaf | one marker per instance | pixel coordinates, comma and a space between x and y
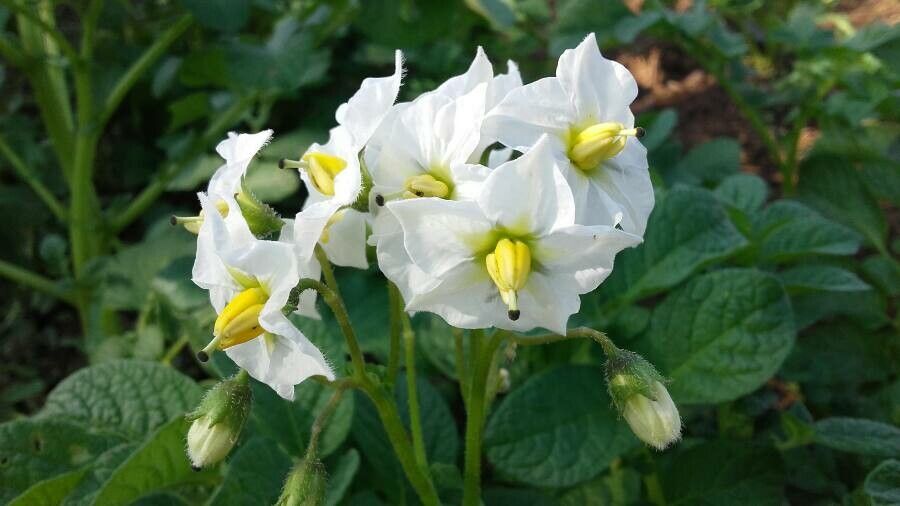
341, 477
434, 338
496, 12
660, 129
438, 426
744, 192
128, 397
708, 163
159, 463
804, 278
100, 471
50, 491
831, 184
882, 485
559, 428
856, 435
723, 473
687, 231
788, 230
222, 15
255, 474
721, 336
382, 467
289, 423
621, 486
36, 449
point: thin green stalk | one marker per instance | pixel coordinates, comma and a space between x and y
174, 350
28, 176
396, 311
477, 407
34, 281
319, 423
140, 66
47, 27
609, 348
334, 301
412, 394
156, 188
462, 372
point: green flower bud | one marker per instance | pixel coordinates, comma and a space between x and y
218, 420
261, 218
638, 392
305, 485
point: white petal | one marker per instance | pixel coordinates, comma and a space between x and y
238, 151
544, 302
579, 258
530, 111
346, 244
441, 234
502, 84
364, 111
480, 71
273, 264
528, 195
394, 261
309, 224
600, 89
465, 298
311, 269
625, 178
348, 182
499, 156
216, 237
468, 180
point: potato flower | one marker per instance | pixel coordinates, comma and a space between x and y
513, 258
585, 111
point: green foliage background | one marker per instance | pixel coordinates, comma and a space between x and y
769, 299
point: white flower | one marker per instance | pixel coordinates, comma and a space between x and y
585, 110
250, 281
513, 258
333, 176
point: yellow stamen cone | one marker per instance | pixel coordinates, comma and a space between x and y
509, 266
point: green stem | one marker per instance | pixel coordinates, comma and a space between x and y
327, 269
35, 281
336, 304
319, 423
174, 350
152, 192
609, 348
396, 311
477, 407
140, 66
12, 53
462, 372
31, 179
412, 394
48, 28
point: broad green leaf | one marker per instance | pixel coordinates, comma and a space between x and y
438, 426
289, 423
827, 278
36, 449
222, 15
883, 484
687, 231
159, 463
434, 338
576, 18
128, 397
883, 273
868, 308
50, 491
256, 472
619, 487
788, 230
831, 184
99, 472
723, 473
708, 163
721, 336
497, 12
370, 438
341, 476
507, 496
857, 435
559, 428
744, 192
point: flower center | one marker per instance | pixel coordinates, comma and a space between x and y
192, 223
589, 147
425, 185
322, 169
509, 266
238, 322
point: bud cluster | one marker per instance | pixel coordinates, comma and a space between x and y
218, 420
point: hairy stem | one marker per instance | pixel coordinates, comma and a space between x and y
412, 393
319, 423
609, 348
334, 301
396, 310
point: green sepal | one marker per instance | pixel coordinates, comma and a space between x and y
305, 485
228, 402
261, 218
629, 374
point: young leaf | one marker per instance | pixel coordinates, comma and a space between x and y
857, 435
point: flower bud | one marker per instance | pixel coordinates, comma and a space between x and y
305, 485
262, 220
218, 420
638, 392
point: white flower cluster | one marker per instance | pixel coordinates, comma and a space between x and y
489, 202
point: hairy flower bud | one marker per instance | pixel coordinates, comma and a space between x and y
218, 420
262, 220
305, 485
638, 392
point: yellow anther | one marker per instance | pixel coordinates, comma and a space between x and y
192, 223
426, 185
596, 143
240, 303
242, 328
322, 169
238, 322
509, 266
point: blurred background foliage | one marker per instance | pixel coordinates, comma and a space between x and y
766, 288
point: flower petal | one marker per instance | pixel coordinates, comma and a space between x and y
362, 114
480, 71
238, 151
309, 224
346, 244
527, 112
625, 178
579, 258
